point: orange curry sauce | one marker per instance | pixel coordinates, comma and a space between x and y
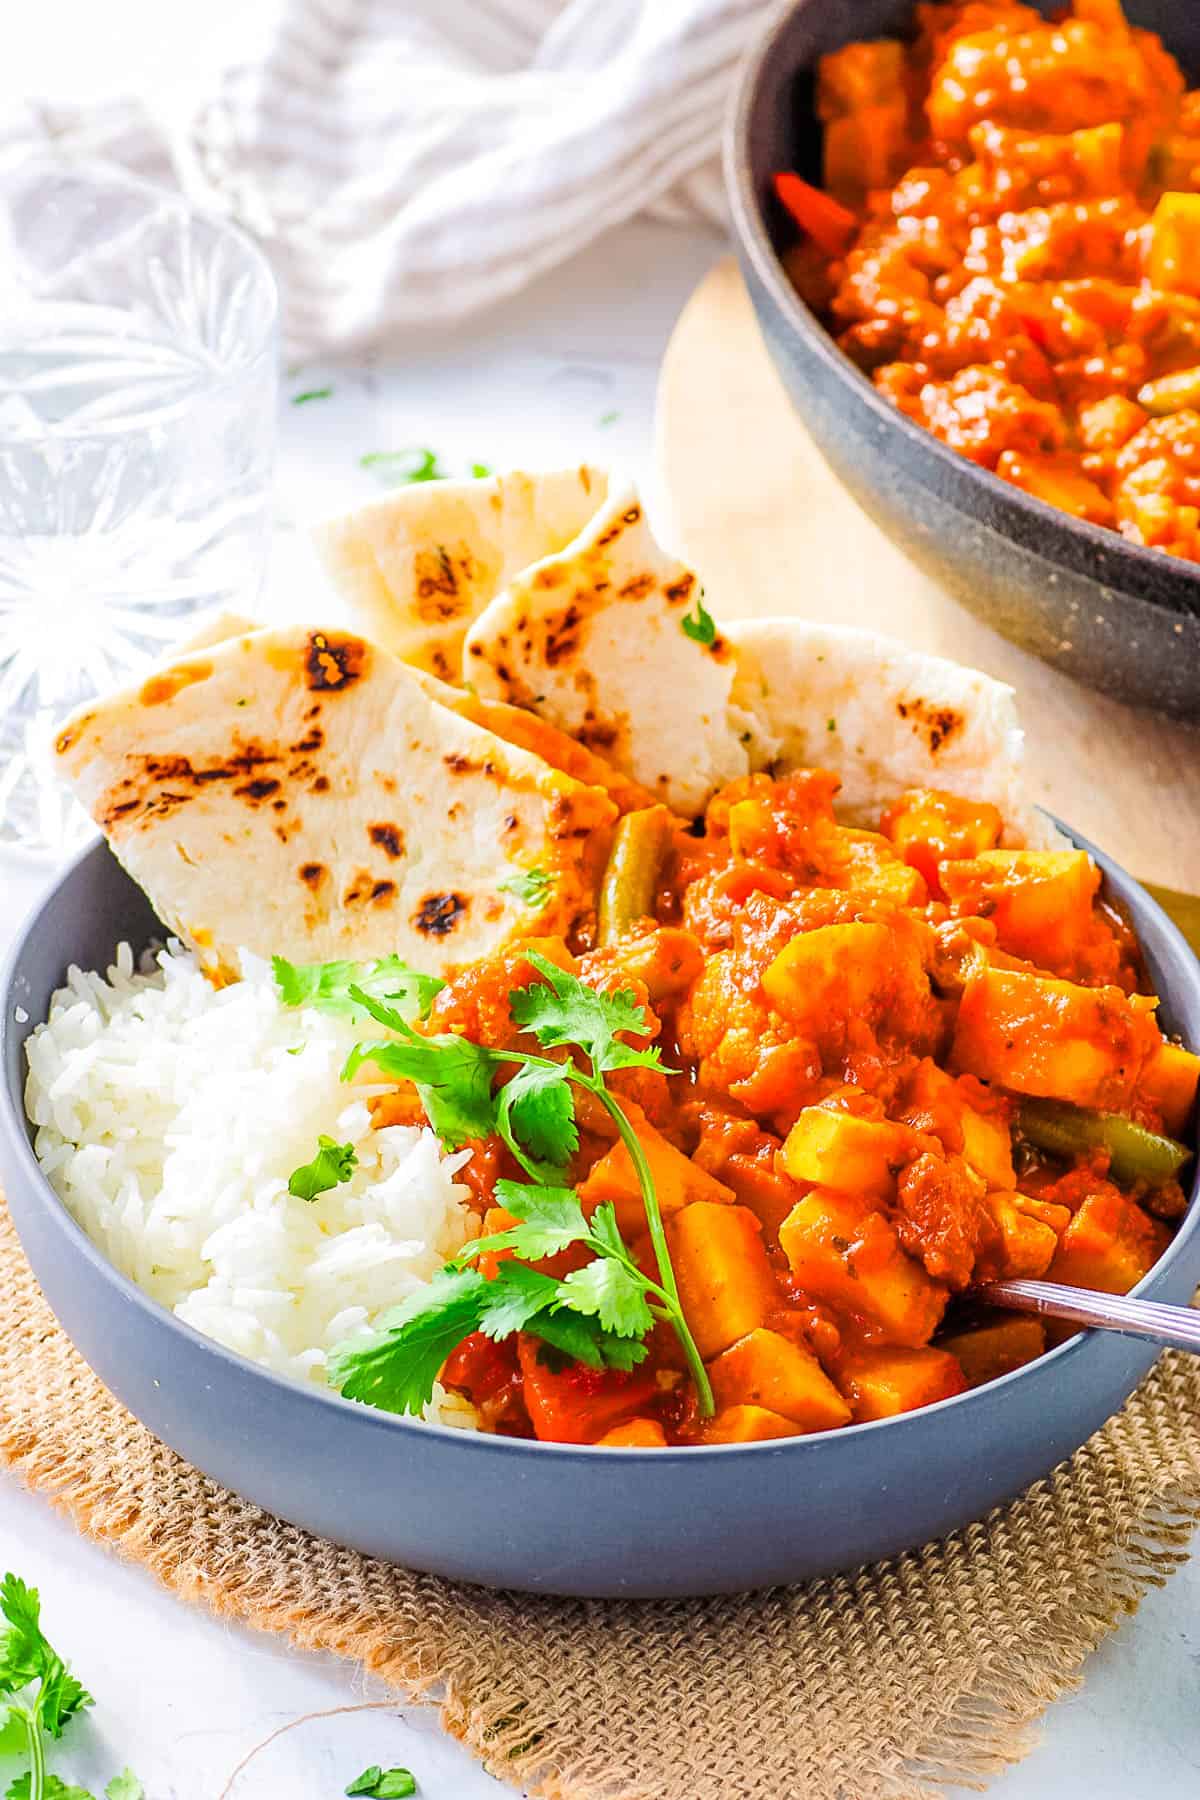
1008, 244
853, 1017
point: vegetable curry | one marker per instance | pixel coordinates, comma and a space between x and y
742, 1153
1008, 244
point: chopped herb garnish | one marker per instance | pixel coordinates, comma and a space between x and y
303, 399
601, 1314
479, 470
533, 887
328, 985
400, 468
333, 1164
384, 1784
700, 625
831, 725
608, 418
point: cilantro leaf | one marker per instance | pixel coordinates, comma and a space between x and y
333, 1163
700, 626
533, 887
551, 1219
54, 1788
384, 1784
561, 1009
23, 1650
401, 468
535, 1115
480, 470
396, 1368
453, 1078
515, 1299
612, 1293
26, 1656
344, 987
321, 393
585, 1341
125, 1786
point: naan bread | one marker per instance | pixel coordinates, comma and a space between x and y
592, 640
300, 792
883, 717
417, 568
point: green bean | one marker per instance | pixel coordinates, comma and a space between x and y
1135, 1154
627, 890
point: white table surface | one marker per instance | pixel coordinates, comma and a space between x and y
185, 1698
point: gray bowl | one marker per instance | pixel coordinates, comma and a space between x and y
554, 1518
1121, 617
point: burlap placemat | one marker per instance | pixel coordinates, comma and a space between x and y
881, 1685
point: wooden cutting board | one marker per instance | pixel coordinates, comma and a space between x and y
753, 505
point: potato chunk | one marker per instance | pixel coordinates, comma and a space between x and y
1169, 1081
837, 1149
748, 1425
678, 1179
985, 1352
1040, 901
726, 1284
1038, 1035
1109, 1244
767, 1369
636, 1434
843, 1253
882, 1383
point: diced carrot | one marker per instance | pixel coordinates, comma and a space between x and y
881, 1383
637, 1434
748, 1425
826, 221
844, 1253
726, 1284
568, 1403
766, 1369
985, 1352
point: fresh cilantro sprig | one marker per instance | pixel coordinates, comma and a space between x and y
700, 625
333, 1164
591, 1312
328, 985
533, 888
384, 1784
42, 1697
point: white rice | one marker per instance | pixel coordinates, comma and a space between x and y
169, 1118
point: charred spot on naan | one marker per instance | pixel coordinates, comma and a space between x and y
439, 914
333, 661
936, 726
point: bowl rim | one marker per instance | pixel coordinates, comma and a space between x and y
1068, 536
17, 1148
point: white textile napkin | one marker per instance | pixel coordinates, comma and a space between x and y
408, 160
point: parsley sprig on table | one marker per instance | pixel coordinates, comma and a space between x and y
42, 1697
599, 1314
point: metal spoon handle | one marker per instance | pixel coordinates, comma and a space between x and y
1178, 1326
